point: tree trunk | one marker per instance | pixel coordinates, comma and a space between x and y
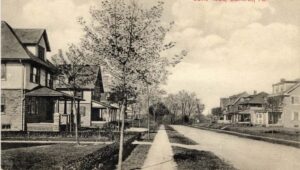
119, 114
123, 108
148, 105
76, 122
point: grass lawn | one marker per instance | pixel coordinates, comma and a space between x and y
273, 132
96, 139
188, 159
137, 158
44, 157
175, 137
5, 146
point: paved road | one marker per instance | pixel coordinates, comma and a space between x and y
160, 155
245, 153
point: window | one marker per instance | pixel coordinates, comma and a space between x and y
48, 80
41, 52
33, 106
79, 93
82, 110
295, 100
5, 126
2, 104
35, 75
3, 71
296, 116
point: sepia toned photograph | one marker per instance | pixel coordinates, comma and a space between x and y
150, 85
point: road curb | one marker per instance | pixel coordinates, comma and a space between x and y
260, 138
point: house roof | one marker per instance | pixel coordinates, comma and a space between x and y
13, 49
11, 46
256, 98
235, 98
32, 36
41, 91
287, 91
95, 71
293, 88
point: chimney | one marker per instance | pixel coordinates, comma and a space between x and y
282, 80
254, 92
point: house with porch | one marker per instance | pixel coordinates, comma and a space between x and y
28, 99
233, 108
252, 109
95, 110
284, 104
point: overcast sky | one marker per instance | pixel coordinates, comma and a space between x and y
233, 46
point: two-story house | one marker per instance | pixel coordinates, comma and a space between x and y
284, 104
252, 109
232, 110
94, 110
27, 95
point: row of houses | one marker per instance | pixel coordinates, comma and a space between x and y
31, 100
280, 108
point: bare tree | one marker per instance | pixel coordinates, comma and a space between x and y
186, 102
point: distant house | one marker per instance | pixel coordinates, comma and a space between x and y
252, 109
28, 98
243, 108
284, 104
233, 108
95, 110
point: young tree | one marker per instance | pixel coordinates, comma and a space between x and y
73, 73
127, 40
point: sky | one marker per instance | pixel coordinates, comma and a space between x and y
233, 46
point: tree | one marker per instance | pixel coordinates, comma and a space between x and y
127, 40
158, 110
216, 111
73, 73
186, 102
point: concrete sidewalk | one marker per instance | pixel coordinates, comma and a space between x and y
160, 155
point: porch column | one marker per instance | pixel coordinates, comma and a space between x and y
107, 114
57, 105
267, 119
78, 114
71, 117
65, 107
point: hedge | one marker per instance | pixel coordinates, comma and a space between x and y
105, 158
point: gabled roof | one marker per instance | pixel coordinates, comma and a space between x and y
235, 98
11, 46
13, 49
96, 71
32, 36
292, 88
256, 98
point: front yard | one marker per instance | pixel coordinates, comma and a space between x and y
273, 132
46, 156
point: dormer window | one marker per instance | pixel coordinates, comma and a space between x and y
41, 52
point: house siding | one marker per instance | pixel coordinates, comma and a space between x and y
289, 109
13, 109
85, 118
14, 72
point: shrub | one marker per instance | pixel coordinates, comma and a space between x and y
104, 158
